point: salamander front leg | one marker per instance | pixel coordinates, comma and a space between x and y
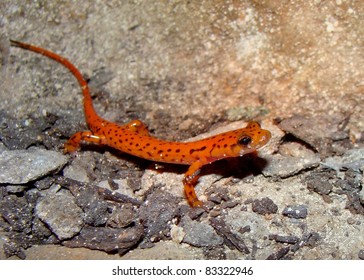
73, 144
139, 127
189, 182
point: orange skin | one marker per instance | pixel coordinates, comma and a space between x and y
134, 138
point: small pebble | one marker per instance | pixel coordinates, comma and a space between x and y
295, 211
229, 204
361, 254
350, 221
215, 213
264, 206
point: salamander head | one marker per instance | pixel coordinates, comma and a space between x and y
250, 138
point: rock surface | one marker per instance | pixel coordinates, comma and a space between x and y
22, 166
183, 68
61, 213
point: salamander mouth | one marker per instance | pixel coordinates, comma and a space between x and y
255, 146
264, 140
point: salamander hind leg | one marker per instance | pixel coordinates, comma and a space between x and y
189, 182
73, 144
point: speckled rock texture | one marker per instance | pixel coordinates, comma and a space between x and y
187, 69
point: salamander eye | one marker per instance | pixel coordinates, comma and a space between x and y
245, 140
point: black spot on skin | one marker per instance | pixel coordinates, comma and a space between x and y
120, 141
178, 150
148, 144
160, 152
225, 145
197, 150
169, 150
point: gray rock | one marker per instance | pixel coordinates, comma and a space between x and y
264, 206
292, 159
60, 212
361, 254
22, 166
110, 240
319, 182
295, 211
199, 234
17, 213
122, 216
232, 240
81, 167
94, 207
157, 213
2, 147
15, 188
322, 136
361, 196
352, 159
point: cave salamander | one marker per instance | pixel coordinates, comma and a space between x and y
133, 138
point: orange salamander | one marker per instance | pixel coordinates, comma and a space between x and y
133, 138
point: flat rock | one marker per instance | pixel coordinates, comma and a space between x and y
107, 239
80, 168
94, 207
22, 166
17, 212
322, 135
291, 159
232, 240
157, 213
199, 234
351, 159
61, 213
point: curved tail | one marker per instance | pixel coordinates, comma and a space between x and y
90, 112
